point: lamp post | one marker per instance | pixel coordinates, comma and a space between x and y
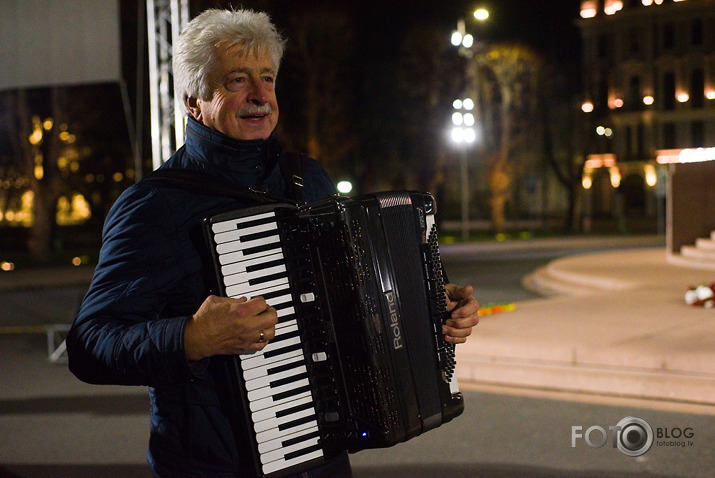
464, 133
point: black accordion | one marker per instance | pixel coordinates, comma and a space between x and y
359, 359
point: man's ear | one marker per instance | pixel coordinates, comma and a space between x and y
193, 107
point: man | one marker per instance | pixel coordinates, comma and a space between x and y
148, 318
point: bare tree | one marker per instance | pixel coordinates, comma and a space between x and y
512, 74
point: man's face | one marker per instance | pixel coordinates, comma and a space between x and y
243, 105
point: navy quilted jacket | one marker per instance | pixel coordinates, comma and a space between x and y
150, 279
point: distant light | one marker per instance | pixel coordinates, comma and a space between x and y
344, 187
586, 182
456, 38
470, 135
481, 14
457, 119
618, 102
647, 3
710, 94
615, 174
588, 9
7, 266
683, 97
651, 178
468, 104
76, 261
608, 132
469, 119
457, 105
600, 130
467, 41
587, 107
648, 100
457, 134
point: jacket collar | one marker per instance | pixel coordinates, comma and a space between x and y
248, 162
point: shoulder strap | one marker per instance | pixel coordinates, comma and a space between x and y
291, 165
200, 182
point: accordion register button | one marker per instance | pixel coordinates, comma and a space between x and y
308, 297
319, 357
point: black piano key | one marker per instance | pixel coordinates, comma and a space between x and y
265, 265
301, 438
297, 422
276, 352
261, 248
268, 278
296, 409
255, 222
304, 451
257, 235
286, 336
283, 368
287, 380
290, 393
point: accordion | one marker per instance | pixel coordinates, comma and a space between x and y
359, 359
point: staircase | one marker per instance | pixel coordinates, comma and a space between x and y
699, 256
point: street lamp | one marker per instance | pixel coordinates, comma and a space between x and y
463, 135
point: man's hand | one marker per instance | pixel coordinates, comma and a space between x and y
464, 313
225, 326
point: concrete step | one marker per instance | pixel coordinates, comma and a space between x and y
695, 252
705, 244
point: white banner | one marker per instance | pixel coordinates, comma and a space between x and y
59, 42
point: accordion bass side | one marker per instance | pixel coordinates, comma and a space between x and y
359, 360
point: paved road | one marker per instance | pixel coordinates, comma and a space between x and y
51, 425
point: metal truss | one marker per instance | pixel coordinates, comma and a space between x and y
165, 19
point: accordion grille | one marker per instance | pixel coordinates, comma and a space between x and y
363, 352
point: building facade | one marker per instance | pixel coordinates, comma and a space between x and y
648, 96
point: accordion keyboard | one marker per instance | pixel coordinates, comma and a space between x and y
284, 416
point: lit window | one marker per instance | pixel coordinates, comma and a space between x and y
588, 9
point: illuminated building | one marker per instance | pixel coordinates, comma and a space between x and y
649, 78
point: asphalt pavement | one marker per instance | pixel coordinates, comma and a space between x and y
611, 323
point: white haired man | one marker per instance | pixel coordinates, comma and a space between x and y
148, 317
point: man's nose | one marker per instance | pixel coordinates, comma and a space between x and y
259, 92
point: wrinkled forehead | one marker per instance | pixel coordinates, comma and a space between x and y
241, 52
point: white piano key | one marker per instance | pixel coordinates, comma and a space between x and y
239, 290
256, 372
231, 224
283, 464
238, 256
235, 279
274, 433
240, 267
249, 361
266, 380
276, 422
241, 234
282, 452
272, 391
234, 246
271, 412
268, 402
271, 445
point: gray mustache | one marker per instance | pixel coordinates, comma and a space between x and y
255, 110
